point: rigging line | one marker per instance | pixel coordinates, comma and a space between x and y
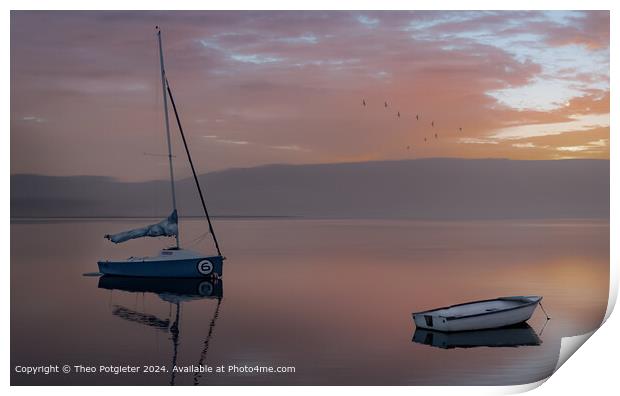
191, 163
198, 239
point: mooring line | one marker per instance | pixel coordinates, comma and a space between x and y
543, 309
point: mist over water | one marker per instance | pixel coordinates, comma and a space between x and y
333, 298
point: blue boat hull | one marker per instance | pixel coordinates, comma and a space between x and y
198, 267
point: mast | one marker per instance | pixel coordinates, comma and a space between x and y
163, 88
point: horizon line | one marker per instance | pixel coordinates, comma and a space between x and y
116, 178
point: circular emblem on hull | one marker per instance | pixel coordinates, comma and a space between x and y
205, 267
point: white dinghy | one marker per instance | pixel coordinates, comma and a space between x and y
477, 315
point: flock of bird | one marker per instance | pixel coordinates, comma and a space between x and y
417, 118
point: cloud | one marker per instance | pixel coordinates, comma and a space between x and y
573, 148
367, 21
530, 145
256, 59
477, 141
34, 119
599, 143
292, 147
524, 145
307, 38
595, 146
577, 123
590, 29
238, 142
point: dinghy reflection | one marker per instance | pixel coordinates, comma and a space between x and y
174, 291
513, 336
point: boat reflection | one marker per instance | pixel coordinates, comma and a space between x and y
168, 289
174, 291
513, 336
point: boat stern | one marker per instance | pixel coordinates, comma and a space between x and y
428, 320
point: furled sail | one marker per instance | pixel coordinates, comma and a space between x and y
167, 227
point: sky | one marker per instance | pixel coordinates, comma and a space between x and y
266, 87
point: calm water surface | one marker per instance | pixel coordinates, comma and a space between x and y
333, 298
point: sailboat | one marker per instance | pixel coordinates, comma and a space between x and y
173, 262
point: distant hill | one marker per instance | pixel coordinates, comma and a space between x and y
439, 188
